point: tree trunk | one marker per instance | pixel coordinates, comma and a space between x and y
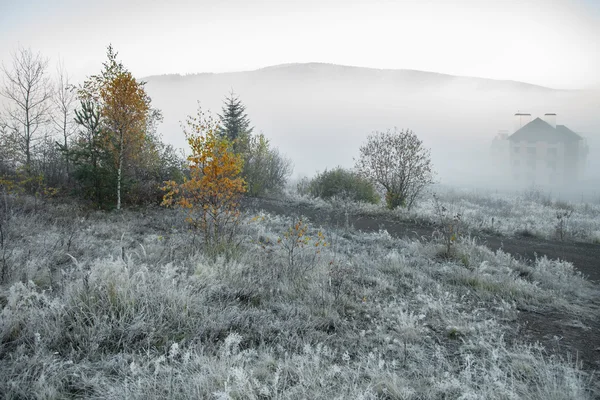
119, 172
27, 143
66, 149
119, 187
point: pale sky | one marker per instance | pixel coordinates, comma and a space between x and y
554, 43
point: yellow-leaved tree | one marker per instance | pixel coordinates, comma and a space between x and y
126, 109
212, 192
125, 112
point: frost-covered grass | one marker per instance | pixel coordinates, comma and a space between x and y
128, 307
527, 213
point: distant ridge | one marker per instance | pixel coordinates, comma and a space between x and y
317, 67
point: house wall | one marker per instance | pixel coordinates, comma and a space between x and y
582, 158
572, 161
539, 163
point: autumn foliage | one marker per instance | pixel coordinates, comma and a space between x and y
300, 249
126, 108
125, 111
211, 194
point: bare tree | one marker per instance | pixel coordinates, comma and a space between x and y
397, 162
7, 151
27, 88
63, 117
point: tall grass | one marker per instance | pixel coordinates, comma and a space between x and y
134, 310
528, 213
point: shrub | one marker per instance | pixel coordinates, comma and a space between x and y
211, 195
340, 182
156, 163
303, 186
449, 226
301, 251
399, 163
265, 170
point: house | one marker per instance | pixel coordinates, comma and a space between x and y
544, 153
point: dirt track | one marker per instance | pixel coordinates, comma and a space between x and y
584, 256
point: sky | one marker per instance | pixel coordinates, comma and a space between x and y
553, 43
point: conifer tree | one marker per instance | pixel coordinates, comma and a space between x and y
235, 125
89, 155
264, 168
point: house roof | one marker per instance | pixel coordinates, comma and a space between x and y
539, 130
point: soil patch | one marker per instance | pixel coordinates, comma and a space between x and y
570, 337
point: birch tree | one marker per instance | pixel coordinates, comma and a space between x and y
125, 112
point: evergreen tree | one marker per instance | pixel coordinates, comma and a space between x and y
91, 161
235, 125
264, 169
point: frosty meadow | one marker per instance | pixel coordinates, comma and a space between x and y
133, 269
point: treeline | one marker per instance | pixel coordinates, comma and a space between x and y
99, 140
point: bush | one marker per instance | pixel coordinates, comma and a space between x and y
265, 170
398, 162
156, 163
303, 186
211, 195
340, 182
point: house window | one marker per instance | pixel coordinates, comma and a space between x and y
516, 163
516, 149
531, 163
552, 152
531, 151
551, 164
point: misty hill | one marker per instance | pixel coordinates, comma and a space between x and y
408, 78
319, 114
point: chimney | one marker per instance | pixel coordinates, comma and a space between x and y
550, 118
521, 120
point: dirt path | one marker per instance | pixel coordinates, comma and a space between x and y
584, 256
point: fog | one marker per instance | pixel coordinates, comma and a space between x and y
319, 114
